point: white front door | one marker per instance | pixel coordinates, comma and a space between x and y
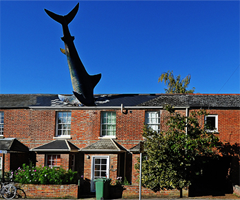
100, 169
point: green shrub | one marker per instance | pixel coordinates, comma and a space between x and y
43, 175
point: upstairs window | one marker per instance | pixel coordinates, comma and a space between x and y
63, 123
1, 122
108, 124
152, 120
0, 163
211, 123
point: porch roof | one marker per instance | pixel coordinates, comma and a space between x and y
104, 145
11, 145
135, 149
57, 146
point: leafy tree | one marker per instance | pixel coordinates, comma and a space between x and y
173, 156
175, 85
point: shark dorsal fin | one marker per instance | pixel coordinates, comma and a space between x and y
95, 79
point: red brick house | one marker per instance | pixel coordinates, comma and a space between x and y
102, 140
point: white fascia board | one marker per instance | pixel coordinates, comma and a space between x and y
102, 107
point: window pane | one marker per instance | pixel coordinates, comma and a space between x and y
64, 123
104, 132
104, 161
211, 122
97, 167
53, 160
97, 173
152, 119
104, 167
108, 123
97, 161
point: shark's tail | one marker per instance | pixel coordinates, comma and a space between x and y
66, 19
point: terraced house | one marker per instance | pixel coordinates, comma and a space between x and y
103, 140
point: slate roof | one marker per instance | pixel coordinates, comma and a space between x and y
109, 100
104, 145
135, 149
57, 145
12, 145
196, 100
125, 99
26, 100
52, 100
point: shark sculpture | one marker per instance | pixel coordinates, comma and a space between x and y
83, 83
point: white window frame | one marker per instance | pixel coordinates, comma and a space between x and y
46, 160
68, 124
216, 122
1, 123
1, 159
151, 124
93, 169
108, 124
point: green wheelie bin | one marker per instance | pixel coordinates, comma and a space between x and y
102, 186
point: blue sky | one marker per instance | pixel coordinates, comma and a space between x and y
130, 42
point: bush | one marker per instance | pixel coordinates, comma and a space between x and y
43, 175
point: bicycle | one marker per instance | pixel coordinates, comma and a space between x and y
8, 190
20, 194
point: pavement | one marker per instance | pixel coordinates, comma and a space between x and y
226, 196
195, 198
231, 196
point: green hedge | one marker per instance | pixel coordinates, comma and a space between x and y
43, 175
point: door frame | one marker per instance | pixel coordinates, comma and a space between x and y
93, 169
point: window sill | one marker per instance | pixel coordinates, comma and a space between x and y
212, 131
107, 137
62, 137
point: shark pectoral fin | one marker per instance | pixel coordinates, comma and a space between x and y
63, 51
95, 79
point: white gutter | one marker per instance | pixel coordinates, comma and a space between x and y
100, 107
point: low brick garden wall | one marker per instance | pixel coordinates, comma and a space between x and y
49, 191
130, 191
71, 191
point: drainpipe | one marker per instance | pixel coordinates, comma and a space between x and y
187, 114
186, 130
125, 163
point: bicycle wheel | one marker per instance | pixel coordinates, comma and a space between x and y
20, 194
9, 191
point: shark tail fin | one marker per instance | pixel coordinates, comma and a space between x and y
63, 19
95, 79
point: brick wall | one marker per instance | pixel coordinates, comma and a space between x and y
37, 127
31, 127
50, 191
132, 191
228, 125
86, 127
135, 174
